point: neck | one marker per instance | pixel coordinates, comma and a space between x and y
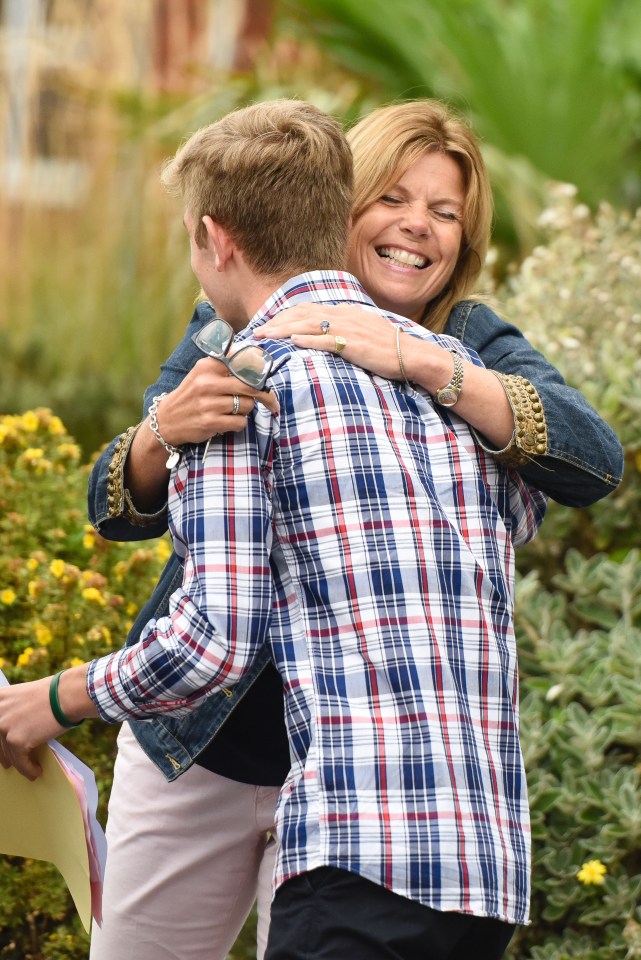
256, 291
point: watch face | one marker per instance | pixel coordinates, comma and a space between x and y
447, 397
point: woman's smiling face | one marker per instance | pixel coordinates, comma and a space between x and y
406, 244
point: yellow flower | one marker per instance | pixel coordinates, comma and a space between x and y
57, 568
592, 872
8, 597
76, 662
163, 550
89, 539
32, 564
24, 659
94, 595
33, 588
7, 430
56, 426
44, 636
2, 662
33, 454
69, 450
131, 609
29, 421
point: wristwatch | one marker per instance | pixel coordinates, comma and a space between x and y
448, 395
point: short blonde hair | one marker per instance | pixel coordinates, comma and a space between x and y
278, 176
387, 142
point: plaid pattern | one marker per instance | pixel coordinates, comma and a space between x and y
365, 536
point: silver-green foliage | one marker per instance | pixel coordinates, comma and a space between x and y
580, 662
576, 297
578, 614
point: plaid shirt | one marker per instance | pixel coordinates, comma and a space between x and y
366, 537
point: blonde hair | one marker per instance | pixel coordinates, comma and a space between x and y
278, 176
387, 142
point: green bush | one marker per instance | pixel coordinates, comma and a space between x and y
577, 299
580, 666
66, 595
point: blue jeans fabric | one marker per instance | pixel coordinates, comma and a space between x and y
584, 463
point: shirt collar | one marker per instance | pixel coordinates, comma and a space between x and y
321, 286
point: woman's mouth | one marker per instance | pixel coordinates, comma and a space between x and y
402, 258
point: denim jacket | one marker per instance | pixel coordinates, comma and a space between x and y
581, 463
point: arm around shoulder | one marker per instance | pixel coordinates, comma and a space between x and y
567, 450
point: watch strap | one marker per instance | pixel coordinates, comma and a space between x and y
448, 395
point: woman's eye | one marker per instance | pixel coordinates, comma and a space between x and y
388, 198
448, 215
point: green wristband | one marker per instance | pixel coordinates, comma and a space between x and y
54, 703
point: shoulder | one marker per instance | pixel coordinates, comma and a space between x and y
479, 327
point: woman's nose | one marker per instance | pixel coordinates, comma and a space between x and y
416, 222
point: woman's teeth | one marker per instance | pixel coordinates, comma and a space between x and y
402, 257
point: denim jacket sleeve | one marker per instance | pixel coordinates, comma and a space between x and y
109, 506
583, 459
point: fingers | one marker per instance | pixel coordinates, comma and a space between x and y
303, 319
269, 400
24, 764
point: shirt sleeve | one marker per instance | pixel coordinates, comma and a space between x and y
220, 519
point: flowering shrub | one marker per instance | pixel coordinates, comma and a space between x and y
577, 299
580, 666
66, 595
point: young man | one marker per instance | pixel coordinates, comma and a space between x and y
366, 540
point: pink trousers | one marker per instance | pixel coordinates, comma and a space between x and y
186, 861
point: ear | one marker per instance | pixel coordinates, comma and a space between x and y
220, 241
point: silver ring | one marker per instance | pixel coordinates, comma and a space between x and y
236, 406
324, 325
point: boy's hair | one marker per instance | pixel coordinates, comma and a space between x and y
388, 141
278, 177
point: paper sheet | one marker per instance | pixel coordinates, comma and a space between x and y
53, 819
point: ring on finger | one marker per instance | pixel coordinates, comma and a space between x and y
324, 325
340, 343
236, 406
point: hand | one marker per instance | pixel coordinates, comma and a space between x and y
26, 721
202, 404
371, 339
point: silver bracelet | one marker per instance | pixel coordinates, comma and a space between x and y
399, 355
174, 452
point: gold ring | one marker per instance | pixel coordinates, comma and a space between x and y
236, 406
324, 325
340, 343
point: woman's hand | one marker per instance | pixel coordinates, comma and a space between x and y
203, 404
371, 339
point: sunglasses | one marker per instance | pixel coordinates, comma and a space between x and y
251, 365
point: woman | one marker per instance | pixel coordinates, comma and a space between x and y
421, 227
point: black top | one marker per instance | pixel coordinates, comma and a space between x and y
251, 745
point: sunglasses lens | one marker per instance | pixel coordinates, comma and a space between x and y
251, 365
214, 338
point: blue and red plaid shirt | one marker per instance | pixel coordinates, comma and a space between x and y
367, 538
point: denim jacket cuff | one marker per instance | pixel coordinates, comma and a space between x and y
530, 437
119, 501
